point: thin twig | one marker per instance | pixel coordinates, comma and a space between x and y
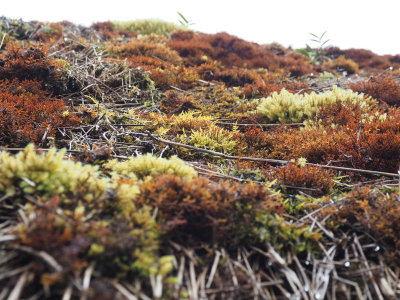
259, 125
267, 160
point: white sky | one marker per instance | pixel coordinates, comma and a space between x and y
373, 25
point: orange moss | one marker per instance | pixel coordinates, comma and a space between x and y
207, 71
253, 83
376, 148
382, 88
317, 180
341, 64
254, 142
165, 74
30, 64
27, 113
195, 52
315, 145
141, 48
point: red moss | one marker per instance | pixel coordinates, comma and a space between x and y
340, 114
234, 52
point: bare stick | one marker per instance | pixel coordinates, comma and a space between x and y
16, 292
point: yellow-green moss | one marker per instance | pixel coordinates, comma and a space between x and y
148, 26
184, 122
49, 173
146, 165
288, 107
213, 138
126, 189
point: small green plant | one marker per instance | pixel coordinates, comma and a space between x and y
315, 54
183, 21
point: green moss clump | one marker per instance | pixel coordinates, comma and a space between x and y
147, 165
283, 235
287, 107
213, 138
148, 26
48, 173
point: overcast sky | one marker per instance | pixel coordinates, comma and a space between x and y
372, 25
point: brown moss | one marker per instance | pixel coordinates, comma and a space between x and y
207, 71
175, 102
60, 236
228, 49
296, 64
48, 31
107, 31
368, 211
202, 210
366, 59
